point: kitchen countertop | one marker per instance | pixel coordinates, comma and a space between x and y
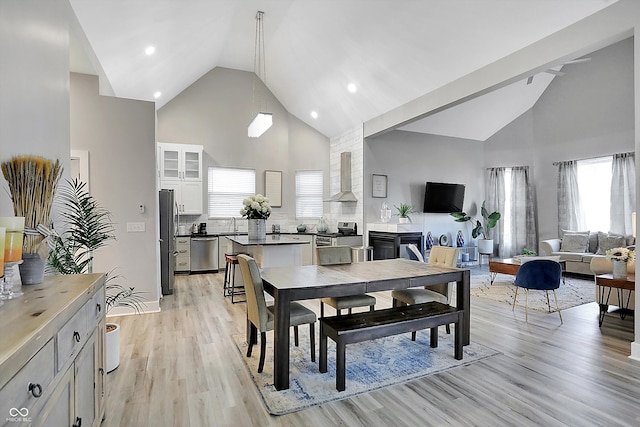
272, 239
226, 234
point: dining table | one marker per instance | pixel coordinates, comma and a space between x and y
297, 283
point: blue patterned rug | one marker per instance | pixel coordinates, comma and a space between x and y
370, 365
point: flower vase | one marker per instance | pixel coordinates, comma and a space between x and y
428, 241
619, 269
257, 229
459, 239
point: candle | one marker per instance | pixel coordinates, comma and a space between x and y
2, 237
14, 226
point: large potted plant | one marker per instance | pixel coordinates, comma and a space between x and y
32, 183
86, 227
481, 228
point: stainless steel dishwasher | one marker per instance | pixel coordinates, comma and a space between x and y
204, 254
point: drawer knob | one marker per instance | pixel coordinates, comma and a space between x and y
76, 336
78, 422
35, 389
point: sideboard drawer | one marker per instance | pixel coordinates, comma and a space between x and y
97, 309
31, 380
73, 333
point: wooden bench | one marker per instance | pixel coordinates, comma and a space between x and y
359, 327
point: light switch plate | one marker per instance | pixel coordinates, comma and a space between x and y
135, 227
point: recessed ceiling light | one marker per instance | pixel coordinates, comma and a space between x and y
314, 114
150, 50
351, 87
157, 94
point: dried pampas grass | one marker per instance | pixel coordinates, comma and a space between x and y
32, 182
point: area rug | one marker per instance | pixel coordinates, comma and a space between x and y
573, 292
370, 365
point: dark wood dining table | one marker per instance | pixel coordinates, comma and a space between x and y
287, 284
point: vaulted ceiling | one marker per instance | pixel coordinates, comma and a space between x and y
393, 51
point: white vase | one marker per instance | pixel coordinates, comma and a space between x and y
485, 246
619, 269
403, 220
257, 229
112, 345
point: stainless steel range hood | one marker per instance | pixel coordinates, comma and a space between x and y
345, 194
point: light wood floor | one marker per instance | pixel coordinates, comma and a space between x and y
180, 368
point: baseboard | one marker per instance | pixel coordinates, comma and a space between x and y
148, 307
635, 351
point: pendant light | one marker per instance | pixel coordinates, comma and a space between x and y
263, 120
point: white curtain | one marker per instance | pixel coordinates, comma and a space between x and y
522, 231
623, 192
494, 201
570, 216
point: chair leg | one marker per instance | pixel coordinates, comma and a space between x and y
371, 307
349, 310
526, 305
448, 328
312, 338
253, 332
557, 307
413, 336
296, 341
338, 312
321, 309
548, 304
514, 300
263, 350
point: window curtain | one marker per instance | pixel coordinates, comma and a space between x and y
522, 231
494, 201
623, 192
570, 216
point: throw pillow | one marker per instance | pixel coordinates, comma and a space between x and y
609, 241
572, 232
575, 243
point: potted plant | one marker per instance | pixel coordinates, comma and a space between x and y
403, 212
480, 229
32, 183
87, 227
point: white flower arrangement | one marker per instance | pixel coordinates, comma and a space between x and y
620, 254
256, 207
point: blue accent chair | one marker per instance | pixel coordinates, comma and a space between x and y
541, 274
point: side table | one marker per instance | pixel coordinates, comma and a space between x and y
607, 280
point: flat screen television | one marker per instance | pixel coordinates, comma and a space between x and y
441, 197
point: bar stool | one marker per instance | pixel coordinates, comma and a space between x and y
230, 289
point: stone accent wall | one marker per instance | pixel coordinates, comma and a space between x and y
335, 212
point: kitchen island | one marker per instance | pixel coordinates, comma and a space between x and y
274, 251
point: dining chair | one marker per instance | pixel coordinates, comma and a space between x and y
439, 255
541, 274
261, 316
335, 255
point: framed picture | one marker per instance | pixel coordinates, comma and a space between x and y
273, 188
379, 185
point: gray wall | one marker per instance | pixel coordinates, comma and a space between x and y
588, 112
215, 112
120, 137
34, 83
410, 160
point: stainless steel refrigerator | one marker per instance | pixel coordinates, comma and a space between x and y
167, 241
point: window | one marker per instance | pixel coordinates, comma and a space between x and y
309, 191
228, 187
594, 184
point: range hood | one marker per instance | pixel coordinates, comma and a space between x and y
345, 194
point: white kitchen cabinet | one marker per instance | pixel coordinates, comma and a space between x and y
307, 250
183, 259
180, 170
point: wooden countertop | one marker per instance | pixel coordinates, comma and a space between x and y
28, 322
271, 240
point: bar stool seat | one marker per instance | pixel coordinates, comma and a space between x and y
229, 286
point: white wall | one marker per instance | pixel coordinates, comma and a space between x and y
34, 83
215, 112
119, 135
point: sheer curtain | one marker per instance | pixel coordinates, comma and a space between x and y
522, 231
495, 201
570, 215
623, 192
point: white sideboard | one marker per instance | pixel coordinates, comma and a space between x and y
52, 354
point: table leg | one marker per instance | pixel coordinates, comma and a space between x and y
493, 277
463, 301
281, 340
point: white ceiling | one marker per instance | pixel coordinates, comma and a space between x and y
394, 51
